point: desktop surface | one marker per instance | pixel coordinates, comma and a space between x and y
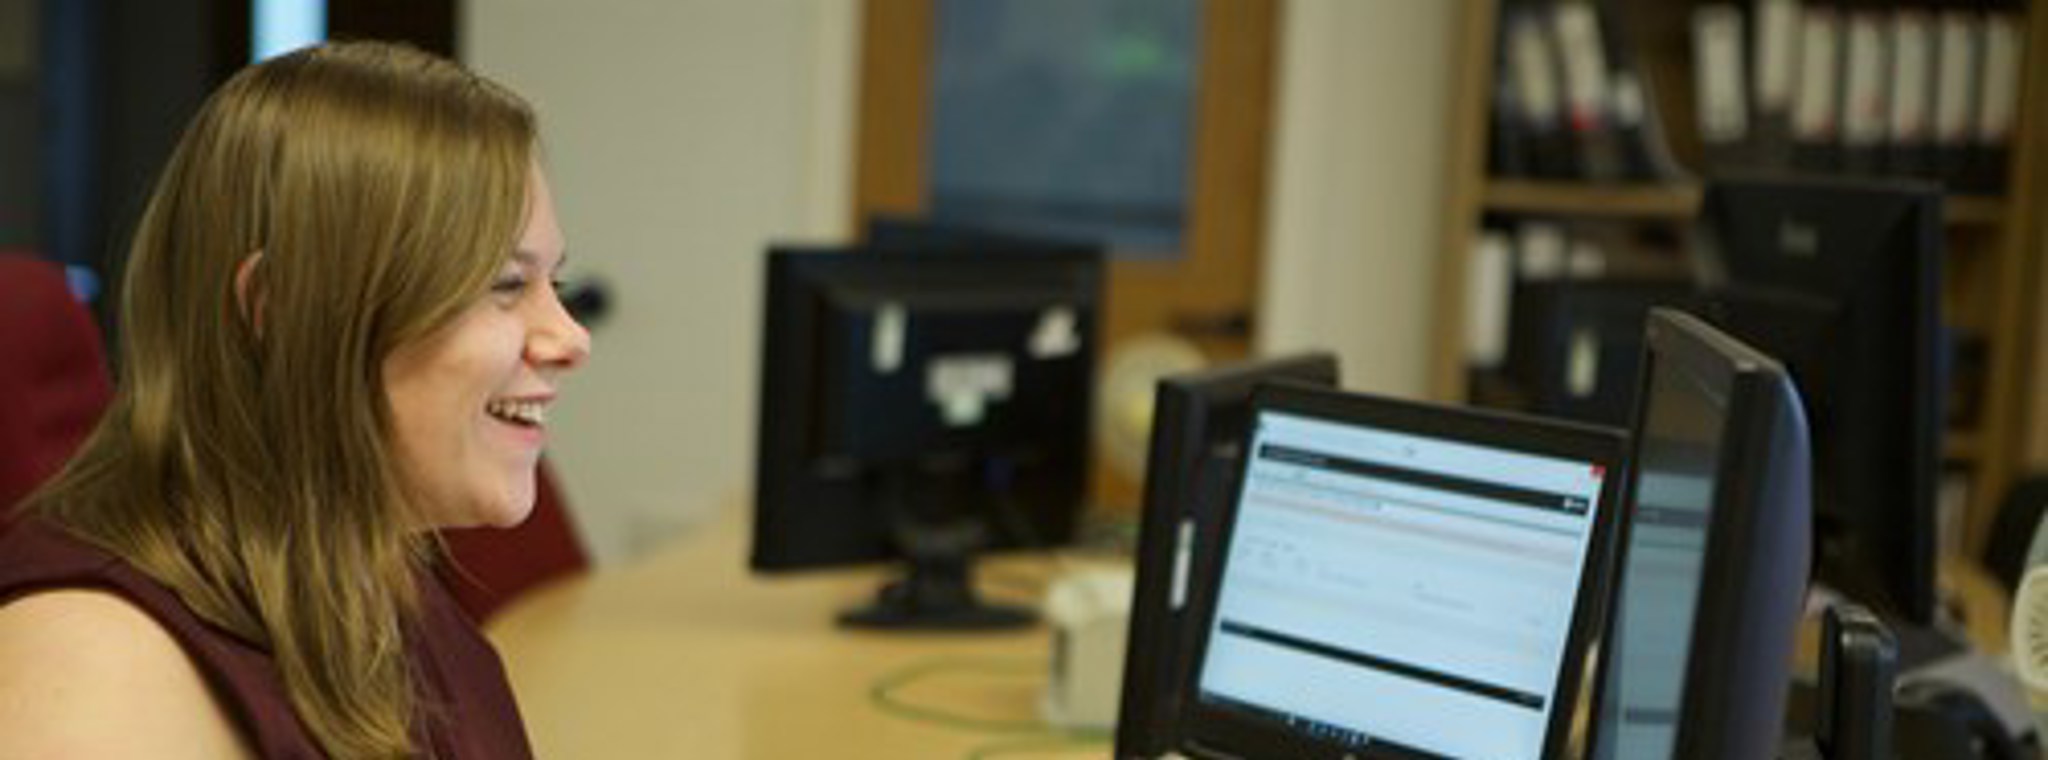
684, 653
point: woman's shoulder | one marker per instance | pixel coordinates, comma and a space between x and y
75, 657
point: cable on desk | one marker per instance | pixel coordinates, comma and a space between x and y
883, 693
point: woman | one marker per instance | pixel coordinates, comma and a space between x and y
340, 332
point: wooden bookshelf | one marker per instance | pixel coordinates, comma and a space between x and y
1994, 277
1961, 447
1671, 202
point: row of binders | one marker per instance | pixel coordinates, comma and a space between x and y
1928, 90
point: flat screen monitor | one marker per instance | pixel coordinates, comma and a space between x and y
914, 233
1696, 659
1198, 426
1401, 580
922, 406
1841, 281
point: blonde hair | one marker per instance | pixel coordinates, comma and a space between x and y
247, 460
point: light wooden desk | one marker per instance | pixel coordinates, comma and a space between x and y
686, 654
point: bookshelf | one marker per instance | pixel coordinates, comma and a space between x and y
1991, 273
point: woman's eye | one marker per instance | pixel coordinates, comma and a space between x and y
508, 285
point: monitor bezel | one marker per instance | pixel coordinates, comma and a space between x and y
1176, 490
1212, 730
1736, 537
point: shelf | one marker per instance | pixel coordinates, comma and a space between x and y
1974, 211
1960, 446
1674, 202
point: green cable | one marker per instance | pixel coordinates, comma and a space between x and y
883, 694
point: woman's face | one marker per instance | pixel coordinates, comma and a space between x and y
470, 401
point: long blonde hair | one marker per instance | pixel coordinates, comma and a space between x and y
247, 461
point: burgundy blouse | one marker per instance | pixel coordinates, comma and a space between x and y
463, 685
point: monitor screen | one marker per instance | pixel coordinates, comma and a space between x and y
1408, 587
1695, 662
1678, 455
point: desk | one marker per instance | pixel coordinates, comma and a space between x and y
686, 654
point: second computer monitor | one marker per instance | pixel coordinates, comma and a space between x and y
1399, 580
1713, 562
921, 406
1841, 281
1198, 426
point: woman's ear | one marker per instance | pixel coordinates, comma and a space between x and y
249, 300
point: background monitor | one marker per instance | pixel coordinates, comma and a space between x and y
1576, 343
1199, 422
915, 233
921, 406
1713, 562
1399, 579
1841, 281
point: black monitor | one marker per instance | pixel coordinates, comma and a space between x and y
917, 233
1841, 280
1575, 344
1199, 422
1696, 659
921, 406
1397, 579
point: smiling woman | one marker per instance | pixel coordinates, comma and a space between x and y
340, 331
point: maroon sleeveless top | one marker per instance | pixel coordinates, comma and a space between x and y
472, 713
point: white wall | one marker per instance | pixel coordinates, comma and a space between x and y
1359, 159
684, 134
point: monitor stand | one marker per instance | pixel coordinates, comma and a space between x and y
1934, 673
938, 593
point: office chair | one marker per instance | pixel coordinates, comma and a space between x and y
488, 567
53, 375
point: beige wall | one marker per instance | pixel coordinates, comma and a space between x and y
682, 135
1359, 156
685, 134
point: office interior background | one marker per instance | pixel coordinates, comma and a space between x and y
683, 137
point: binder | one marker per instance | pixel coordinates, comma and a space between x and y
1508, 136
1866, 111
1774, 75
1720, 95
1576, 26
1489, 300
1909, 129
1958, 52
1638, 133
1998, 100
1533, 65
1815, 101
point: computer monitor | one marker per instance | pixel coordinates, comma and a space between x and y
921, 406
917, 233
1841, 281
1696, 659
1199, 422
1399, 579
1575, 344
